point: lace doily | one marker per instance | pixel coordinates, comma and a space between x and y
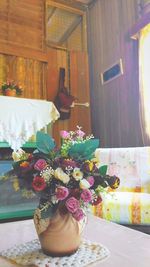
31, 253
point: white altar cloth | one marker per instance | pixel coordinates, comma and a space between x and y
20, 118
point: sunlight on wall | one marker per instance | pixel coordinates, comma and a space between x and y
144, 68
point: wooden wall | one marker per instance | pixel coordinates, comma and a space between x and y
22, 27
78, 72
22, 45
115, 105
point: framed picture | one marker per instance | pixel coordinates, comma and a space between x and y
112, 72
12, 204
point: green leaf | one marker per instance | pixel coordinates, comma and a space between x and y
103, 170
84, 151
44, 142
49, 212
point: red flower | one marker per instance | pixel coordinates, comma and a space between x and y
30, 157
68, 163
38, 183
96, 201
75, 193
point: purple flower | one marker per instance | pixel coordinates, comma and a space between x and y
72, 204
91, 180
61, 192
40, 165
78, 215
64, 134
86, 195
68, 163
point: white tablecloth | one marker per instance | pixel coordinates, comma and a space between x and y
20, 118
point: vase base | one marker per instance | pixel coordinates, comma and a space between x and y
59, 254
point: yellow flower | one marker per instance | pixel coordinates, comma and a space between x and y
19, 155
62, 176
16, 185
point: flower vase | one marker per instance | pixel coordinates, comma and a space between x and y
10, 92
60, 235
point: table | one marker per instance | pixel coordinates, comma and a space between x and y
127, 247
21, 118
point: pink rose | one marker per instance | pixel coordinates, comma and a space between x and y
64, 134
90, 179
86, 195
61, 192
78, 215
72, 204
80, 133
40, 164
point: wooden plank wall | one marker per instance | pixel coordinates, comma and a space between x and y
57, 58
22, 23
79, 87
79, 80
22, 45
115, 105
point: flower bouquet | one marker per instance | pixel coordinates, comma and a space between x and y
10, 88
68, 178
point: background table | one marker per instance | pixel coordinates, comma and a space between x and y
127, 247
21, 118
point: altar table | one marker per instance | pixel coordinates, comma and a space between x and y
21, 118
127, 247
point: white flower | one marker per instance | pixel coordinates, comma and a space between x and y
54, 200
84, 184
61, 175
77, 174
18, 155
47, 174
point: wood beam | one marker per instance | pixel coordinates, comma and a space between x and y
64, 6
16, 50
68, 32
51, 14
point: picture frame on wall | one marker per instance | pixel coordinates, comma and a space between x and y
13, 206
112, 72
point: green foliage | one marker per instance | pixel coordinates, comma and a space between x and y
48, 211
44, 142
103, 170
84, 151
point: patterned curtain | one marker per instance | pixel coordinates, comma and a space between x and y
144, 72
28, 73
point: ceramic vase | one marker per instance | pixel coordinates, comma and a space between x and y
10, 92
59, 235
